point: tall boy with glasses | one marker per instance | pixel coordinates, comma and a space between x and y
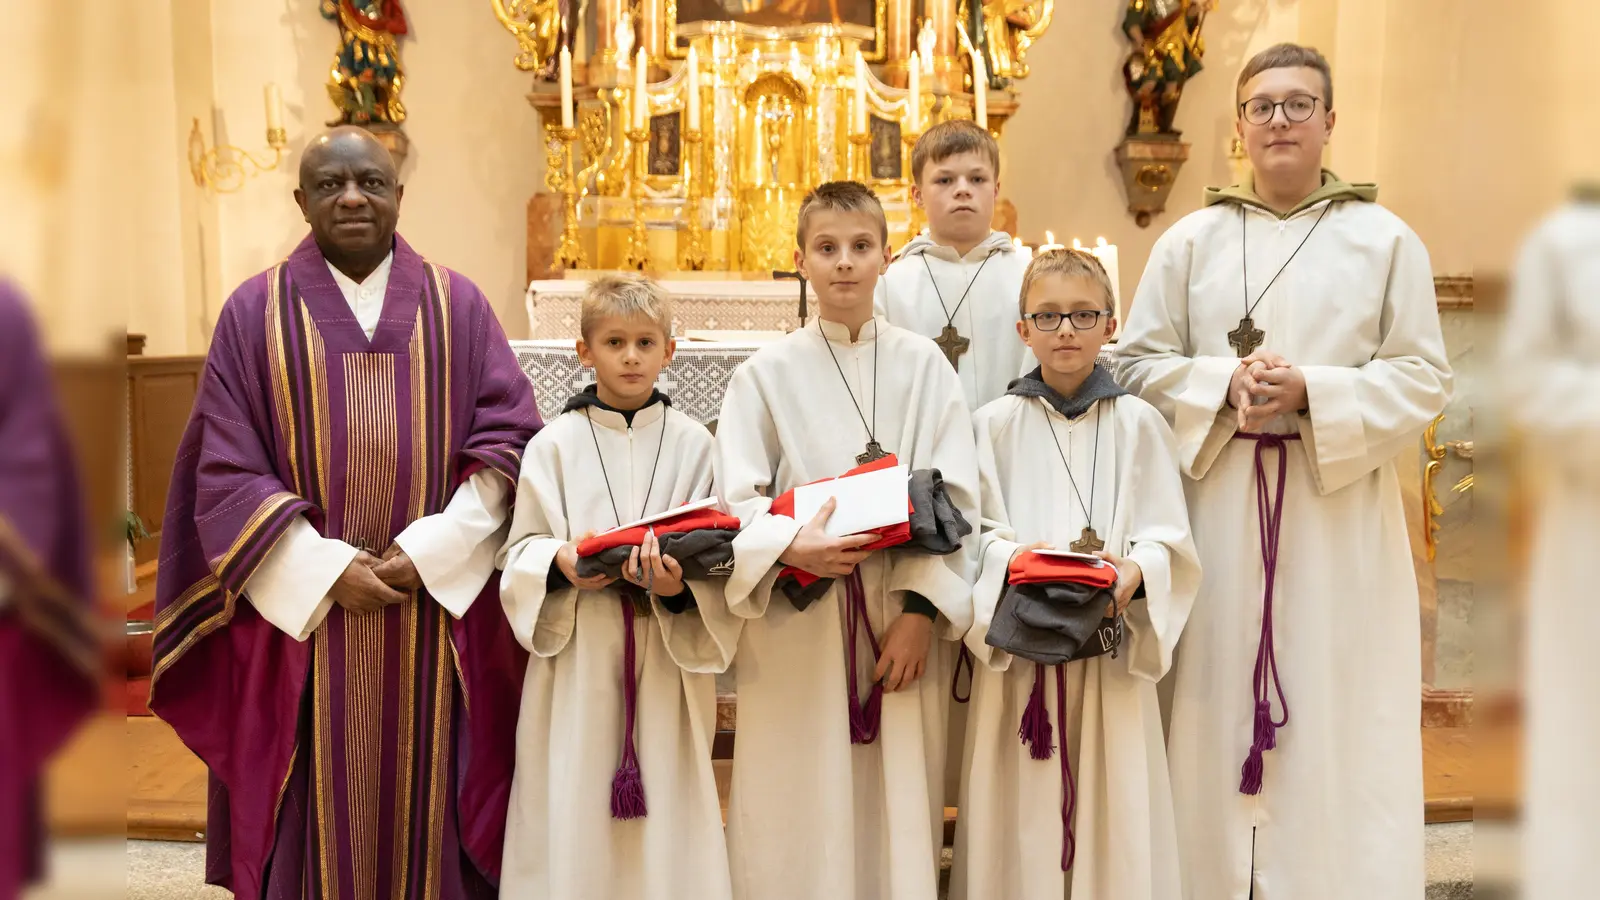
1289, 333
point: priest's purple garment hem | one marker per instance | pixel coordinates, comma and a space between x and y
374, 759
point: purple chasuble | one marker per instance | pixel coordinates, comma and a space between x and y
49, 654
374, 759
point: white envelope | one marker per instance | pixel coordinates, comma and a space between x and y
866, 501
1089, 558
706, 503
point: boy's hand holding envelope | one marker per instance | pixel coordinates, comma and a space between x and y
840, 514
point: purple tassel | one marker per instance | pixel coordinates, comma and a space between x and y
1250, 773
627, 786
1035, 730
627, 790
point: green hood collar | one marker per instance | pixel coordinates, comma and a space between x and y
1333, 188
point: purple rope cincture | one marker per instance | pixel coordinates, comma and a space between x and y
864, 718
627, 786
1035, 732
1266, 681
963, 661
1069, 789
1035, 728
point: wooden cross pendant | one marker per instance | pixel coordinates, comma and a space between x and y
1088, 542
873, 453
1246, 338
953, 344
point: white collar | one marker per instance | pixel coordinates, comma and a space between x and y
379, 277
839, 334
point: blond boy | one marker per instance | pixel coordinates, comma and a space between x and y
618, 453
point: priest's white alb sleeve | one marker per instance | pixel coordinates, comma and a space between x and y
290, 587
997, 543
454, 550
1153, 358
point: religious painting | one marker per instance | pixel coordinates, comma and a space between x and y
868, 14
884, 158
666, 156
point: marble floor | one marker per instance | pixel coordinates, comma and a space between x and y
162, 870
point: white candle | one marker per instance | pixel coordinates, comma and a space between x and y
274, 108
1107, 254
1050, 243
1024, 252
861, 94
566, 88
980, 92
914, 99
694, 90
641, 99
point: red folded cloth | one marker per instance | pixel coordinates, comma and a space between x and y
890, 535
693, 520
1037, 568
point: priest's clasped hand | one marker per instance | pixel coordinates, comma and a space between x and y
1268, 377
814, 551
653, 570
905, 651
567, 562
360, 590
1129, 577
398, 571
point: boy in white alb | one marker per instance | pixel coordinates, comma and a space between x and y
614, 794
817, 811
957, 282
1071, 461
1289, 332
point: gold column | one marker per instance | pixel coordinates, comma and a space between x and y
651, 33
898, 31
603, 65
947, 70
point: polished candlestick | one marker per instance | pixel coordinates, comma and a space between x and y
861, 157
693, 257
638, 256
569, 255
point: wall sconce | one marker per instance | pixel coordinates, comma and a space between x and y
223, 169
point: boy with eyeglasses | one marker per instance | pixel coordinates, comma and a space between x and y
1065, 789
1289, 332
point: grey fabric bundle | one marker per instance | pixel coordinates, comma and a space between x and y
1055, 622
703, 553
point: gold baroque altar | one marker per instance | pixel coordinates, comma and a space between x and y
695, 127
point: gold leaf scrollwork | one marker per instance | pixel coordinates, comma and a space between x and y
1431, 508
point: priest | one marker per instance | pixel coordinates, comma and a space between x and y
337, 502
1288, 331
48, 654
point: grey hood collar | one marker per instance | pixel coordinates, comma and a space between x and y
1098, 386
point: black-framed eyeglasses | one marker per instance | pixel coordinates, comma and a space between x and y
1082, 319
1260, 110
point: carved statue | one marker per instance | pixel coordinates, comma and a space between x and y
1166, 54
367, 77
1009, 28
537, 25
